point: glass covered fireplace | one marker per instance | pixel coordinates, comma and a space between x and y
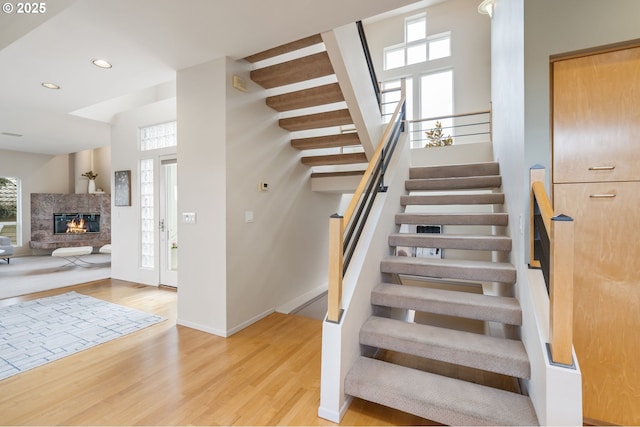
76, 223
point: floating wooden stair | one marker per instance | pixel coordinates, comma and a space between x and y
321, 130
436, 370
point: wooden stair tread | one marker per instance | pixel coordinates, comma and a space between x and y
452, 303
305, 98
318, 120
434, 397
451, 241
479, 271
294, 71
454, 183
499, 355
327, 141
498, 219
337, 174
285, 48
335, 159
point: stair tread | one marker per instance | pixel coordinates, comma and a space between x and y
454, 199
451, 241
335, 159
434, 397
471, 169
327, 141
480, 271
472, 218
478, 351
305, 98
454, 183
294, 71
285, 48
317, 120
439, 301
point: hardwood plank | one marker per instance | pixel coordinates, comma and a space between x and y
285, 48
266, 374
294, 71
316, 121
335, 159
312, 97
328, 141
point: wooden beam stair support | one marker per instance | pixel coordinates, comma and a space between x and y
328, 141
335, 159
294, 71
312, 97
316, 121
337, 174
285, 48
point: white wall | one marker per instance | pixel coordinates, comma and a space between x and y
38, 173
470, 50
125, 220
283, 253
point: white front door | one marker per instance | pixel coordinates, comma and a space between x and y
169, 223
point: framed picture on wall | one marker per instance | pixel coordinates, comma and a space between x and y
122, 188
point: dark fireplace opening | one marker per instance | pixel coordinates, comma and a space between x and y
76, 223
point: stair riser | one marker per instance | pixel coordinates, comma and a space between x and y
430, 241
453, 183
446, 272
480, 169
475, 199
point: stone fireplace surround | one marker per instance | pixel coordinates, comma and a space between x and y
44, 205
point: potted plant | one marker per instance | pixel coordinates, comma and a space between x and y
92, 181
436, 138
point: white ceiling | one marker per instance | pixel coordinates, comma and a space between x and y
147, 41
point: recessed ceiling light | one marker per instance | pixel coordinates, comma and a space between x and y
50, 85
102, 63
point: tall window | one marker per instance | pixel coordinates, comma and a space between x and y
147, 222
10, 209
417, 47
436, 100
151, 138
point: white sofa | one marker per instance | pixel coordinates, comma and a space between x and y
6, 250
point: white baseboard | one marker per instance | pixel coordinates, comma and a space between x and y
334, 416
202, 328
249, 322
298, 302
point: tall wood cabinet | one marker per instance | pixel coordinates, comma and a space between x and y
596, 180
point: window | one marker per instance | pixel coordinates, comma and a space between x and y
390, 98
158, 136
417, 47
147, 223
436, 100
10, 215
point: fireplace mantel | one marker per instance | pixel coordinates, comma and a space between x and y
44, 205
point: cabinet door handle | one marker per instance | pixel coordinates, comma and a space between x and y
602, 168
602, 196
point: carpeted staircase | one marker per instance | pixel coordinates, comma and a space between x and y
423, 368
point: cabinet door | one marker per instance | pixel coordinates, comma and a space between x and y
606, 295
596, 117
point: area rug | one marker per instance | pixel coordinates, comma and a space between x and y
36, 332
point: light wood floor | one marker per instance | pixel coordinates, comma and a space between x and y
267, 374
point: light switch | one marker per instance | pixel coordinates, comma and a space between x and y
189, 217
248, 216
